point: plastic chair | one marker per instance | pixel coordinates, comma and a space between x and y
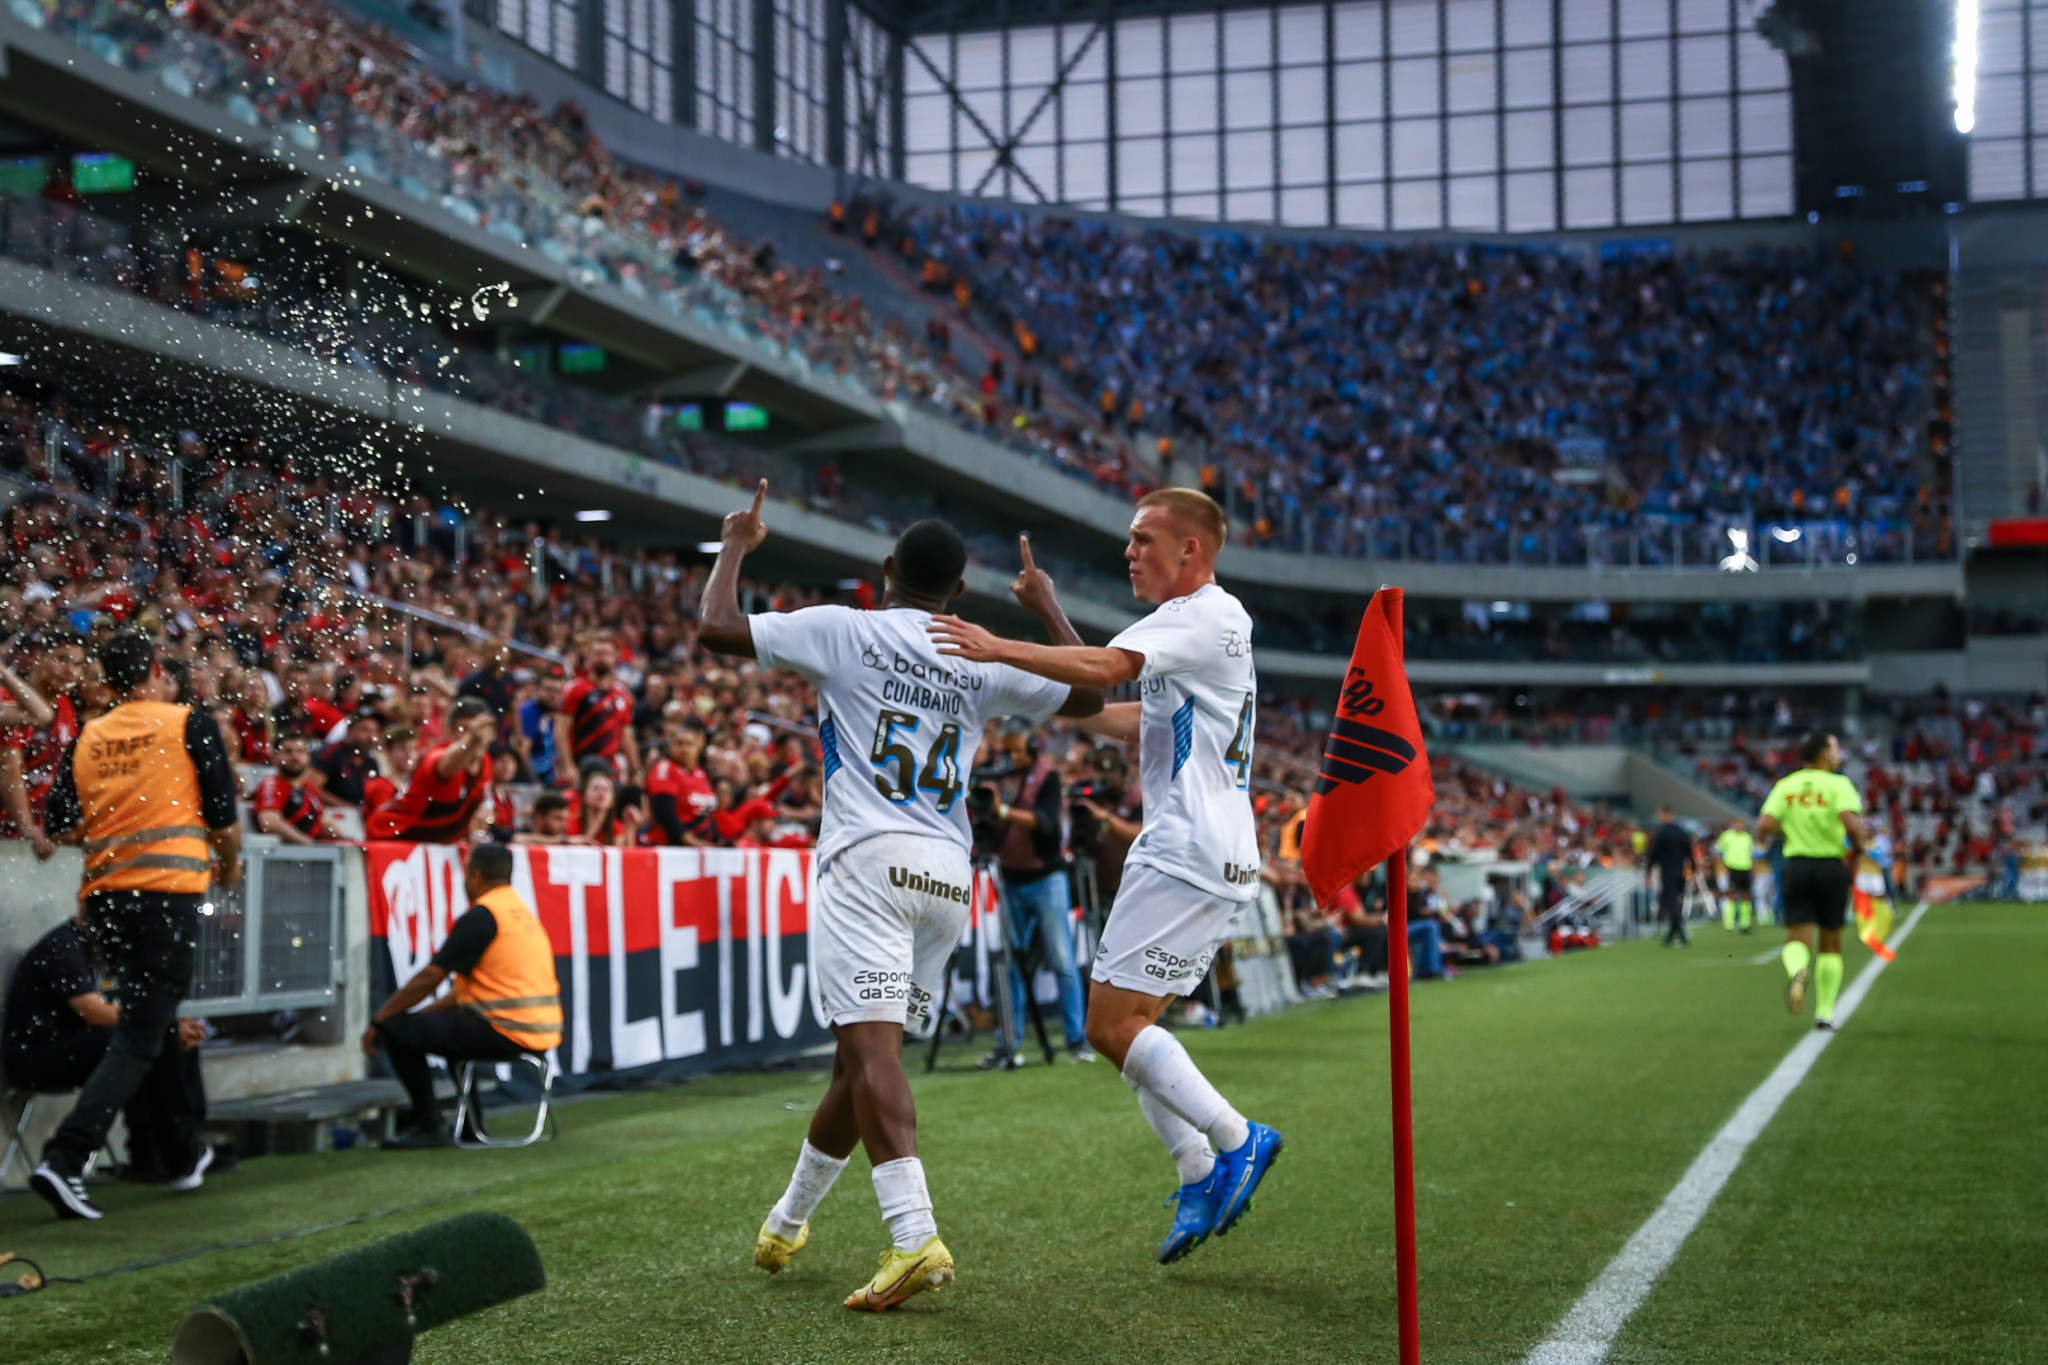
17, 1149
470, 1131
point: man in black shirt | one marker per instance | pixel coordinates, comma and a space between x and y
493, 681
1670, 857
344, 768
56, 1027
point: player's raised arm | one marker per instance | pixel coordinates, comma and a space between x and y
721, 626
1083, 666
1116, 720
1033, 590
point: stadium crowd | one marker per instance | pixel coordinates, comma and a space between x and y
295, 605
337, 84
1718, 387
1958, 785
345, 640
1508, 403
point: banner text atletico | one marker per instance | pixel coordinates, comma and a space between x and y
669, 960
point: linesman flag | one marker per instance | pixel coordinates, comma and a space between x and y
1374, 789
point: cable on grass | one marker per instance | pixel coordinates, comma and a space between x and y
30, 1281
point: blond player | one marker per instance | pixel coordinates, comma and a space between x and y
1190, 872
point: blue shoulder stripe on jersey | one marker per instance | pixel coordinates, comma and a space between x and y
1183, 734
828, 740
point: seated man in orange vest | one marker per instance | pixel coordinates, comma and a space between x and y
505, 1002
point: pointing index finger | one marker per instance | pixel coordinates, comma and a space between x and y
1024, 547
760, 496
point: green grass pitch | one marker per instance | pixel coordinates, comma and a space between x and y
1896, 1210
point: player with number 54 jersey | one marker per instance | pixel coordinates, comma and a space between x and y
898, 725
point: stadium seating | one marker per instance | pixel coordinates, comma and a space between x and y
253, 572
1330, 392
1605, 444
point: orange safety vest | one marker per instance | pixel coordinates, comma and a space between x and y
138, 793
513, 987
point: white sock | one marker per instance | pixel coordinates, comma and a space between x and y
1184, 1142
1161, 1065
906, 1203
808, 1186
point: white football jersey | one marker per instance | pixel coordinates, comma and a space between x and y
898, 722
1199, 696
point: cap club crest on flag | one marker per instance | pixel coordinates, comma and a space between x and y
1373, 788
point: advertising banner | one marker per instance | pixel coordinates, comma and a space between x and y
670, 960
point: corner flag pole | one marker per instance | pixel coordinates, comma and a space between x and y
1372, 796
1404, 1108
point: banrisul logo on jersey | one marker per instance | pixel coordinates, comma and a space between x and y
920, 683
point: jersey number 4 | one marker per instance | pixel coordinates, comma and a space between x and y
1239, 755
900, 779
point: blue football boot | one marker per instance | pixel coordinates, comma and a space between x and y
1194, 1218
1242, 1169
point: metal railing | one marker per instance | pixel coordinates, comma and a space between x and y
276, 943
1610, 894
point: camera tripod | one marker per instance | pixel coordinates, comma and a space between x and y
999, 960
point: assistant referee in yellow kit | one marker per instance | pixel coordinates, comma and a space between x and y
1820, 814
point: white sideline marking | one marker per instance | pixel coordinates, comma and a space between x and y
1587, 1332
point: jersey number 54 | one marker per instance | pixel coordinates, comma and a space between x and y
900, 778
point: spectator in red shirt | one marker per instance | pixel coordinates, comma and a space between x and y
596, 713
750, 826
54, 673
679, 794
502, 818
401, 751
445, 796
22, 710
254, 723
287, 805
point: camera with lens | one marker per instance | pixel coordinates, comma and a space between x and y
982, 800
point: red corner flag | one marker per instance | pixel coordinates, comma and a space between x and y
1374, 789
1371, 798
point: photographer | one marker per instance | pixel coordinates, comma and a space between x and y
1025, 822
1107, 816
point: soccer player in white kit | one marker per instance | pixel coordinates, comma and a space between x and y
898, 726
1187, 877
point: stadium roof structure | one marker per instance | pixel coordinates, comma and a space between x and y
952, 16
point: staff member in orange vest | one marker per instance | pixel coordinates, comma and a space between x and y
505, 1001
147, 788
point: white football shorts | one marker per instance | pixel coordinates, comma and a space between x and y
1163, 933
889, 911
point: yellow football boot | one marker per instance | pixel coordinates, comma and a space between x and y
772, 1253
903, 1274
